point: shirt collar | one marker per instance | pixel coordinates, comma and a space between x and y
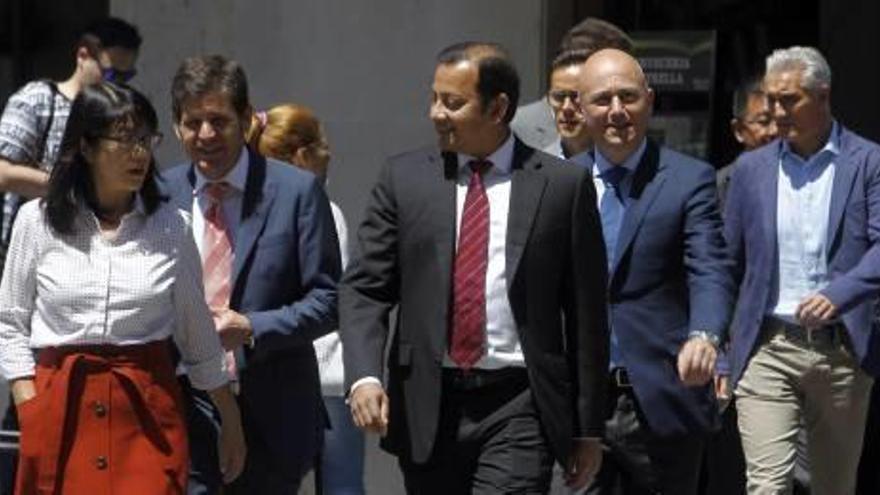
832, 146
501, 158
631, 162
583, 158
236, 178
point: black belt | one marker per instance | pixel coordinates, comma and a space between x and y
619, 378
473, 378
829, 335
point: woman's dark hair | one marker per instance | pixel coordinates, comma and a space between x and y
105, 109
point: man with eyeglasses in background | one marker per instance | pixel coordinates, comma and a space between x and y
31, 130
566, 82
752, 126
536, 123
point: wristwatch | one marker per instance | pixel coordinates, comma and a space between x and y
707, 336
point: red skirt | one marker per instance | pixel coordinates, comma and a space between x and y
105, 420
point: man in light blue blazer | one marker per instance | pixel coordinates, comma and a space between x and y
281, 279
802, 222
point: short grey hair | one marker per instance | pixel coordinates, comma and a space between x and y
815, 70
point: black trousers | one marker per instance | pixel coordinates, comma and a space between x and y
636, 462
259, 476
724, 467
489, 441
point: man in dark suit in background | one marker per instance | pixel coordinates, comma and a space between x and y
492, 253
724, 468
271, 262
669, 293
752, 126
535, 122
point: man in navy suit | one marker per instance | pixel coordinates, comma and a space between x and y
670, 295
802, 222
280, 273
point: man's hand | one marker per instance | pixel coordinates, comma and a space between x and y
696, 361
369, 408
23, 390
234, 328
584, 463
232, 449
815, 311
722, 387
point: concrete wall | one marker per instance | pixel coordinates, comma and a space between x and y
364, 66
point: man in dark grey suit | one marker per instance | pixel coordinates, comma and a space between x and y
492, 253
535, 122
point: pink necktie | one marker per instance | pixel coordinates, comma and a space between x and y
217, 257
467, 335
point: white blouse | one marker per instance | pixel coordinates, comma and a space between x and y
328, 348
141, 285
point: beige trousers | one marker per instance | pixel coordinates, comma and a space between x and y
789, 384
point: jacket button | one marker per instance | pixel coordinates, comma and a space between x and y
100, 409
101, 462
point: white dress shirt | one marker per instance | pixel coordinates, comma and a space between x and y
802, 210
140, 285
502, 342
328, 348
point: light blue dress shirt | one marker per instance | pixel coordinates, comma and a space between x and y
802, 209
612, 210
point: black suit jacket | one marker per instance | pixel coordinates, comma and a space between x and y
556, 274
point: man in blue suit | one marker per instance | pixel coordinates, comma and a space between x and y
802, 222
271, 262
669, 292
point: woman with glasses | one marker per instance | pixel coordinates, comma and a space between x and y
102, 279
291, 133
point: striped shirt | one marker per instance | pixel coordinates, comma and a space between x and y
22, 127
140, 285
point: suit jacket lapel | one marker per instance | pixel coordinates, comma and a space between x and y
181, 191
646, 183
258, 197
844, 177
444, 213
526, 188
768, 192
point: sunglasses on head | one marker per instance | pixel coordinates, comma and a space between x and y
115, 75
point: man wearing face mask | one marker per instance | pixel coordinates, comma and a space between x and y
36, 115
31, 129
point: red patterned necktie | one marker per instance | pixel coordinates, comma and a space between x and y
467, 335
217, 256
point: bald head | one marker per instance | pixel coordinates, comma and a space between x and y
614, 62
616, 102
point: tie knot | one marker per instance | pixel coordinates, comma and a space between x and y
217, 191
480, 167
614, 175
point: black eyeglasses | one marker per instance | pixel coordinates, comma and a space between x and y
148, 142
114, 75
557, 98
